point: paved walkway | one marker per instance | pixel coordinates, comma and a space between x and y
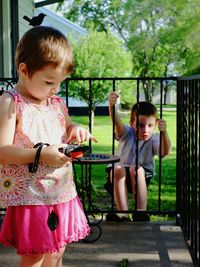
143, 244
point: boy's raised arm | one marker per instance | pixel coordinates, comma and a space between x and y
119, 126
166, 143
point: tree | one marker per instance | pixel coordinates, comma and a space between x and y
163, 36
99, 54
137, 23
185, 32
153, 54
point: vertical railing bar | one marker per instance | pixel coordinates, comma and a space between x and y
192, 162
178, 153
160, 156
199, 164
187, 185
90, 110
90, 142
113, 123
188, 166
113, 148
185, 143
82, 187
137, 141
185, 159
195, 168
87, 185
183, 115
182, 147
197, 172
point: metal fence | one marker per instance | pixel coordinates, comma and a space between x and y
187, 154
188, 170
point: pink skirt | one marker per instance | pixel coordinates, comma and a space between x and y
26, 227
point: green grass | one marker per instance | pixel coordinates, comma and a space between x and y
103, 132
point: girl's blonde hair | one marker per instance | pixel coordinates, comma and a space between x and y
42, 46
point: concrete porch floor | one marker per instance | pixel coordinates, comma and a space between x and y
157, 244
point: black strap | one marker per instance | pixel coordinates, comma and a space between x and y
33, 167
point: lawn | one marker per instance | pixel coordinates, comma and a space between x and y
103, 132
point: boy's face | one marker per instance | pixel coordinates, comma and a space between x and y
146, 126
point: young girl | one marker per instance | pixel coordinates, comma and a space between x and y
43, 210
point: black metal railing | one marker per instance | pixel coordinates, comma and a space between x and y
7, 83
188, 169
138, 87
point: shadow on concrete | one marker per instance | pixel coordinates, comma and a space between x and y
143, 244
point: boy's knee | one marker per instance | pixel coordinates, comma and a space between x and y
141, 173
119, 172
140, 170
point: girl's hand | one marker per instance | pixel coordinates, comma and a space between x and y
79, 134
51, 156
162, 126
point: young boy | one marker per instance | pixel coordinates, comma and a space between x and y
148, 147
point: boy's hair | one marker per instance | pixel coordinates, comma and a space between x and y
42, 46
143, 108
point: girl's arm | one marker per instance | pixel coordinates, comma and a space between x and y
119, 126
8, 152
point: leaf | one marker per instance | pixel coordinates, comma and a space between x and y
123, 263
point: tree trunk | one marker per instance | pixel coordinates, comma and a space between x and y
92, 119
148, 88
166, 87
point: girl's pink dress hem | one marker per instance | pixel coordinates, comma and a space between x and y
25, 227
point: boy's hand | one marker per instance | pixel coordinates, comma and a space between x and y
112, 98
162, 126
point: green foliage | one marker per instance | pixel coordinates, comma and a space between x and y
138, 23
99, 54
163, 36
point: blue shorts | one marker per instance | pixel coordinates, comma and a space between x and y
108, 185
148, 176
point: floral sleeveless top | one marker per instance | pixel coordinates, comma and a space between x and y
49, 185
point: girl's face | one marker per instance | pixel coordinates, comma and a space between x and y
146, 127
43, 83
